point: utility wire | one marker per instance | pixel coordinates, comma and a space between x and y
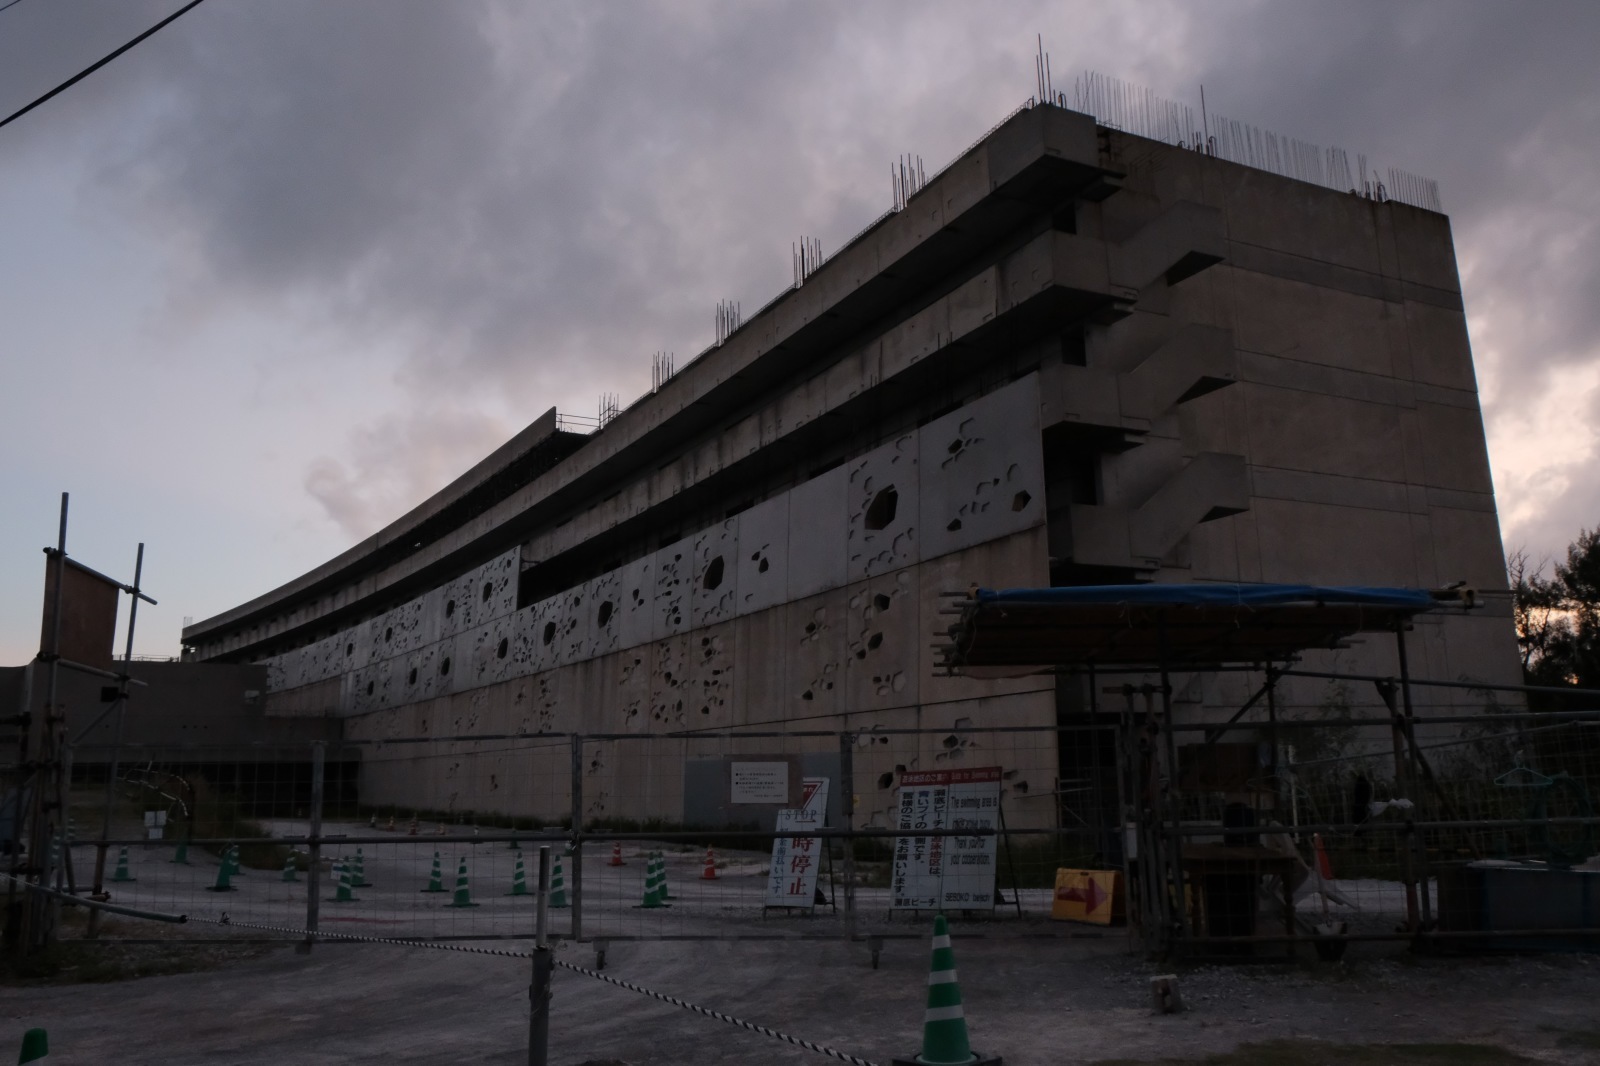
76, 78
9, 3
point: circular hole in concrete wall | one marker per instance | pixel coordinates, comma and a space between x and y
411, 678
713, 576
449, 608
488, 590
603, 614
444, 667
388, 634
500, 652
880, 512
549, 632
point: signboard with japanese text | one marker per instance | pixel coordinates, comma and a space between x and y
792, 880
759, 782
934, 872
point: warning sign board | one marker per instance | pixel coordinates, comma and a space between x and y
1086, 896
934, 872
792, 881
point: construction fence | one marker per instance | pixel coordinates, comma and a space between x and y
1210, 838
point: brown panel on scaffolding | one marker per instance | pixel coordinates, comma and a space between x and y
88, 615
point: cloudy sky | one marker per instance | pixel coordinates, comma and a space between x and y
286, 268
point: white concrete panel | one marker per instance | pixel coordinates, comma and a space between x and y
410, 629
817, 543
484, 655
674, 573
605, 614
711, 692
543, 634
574, 625
882, 509
763, 556
636, 591
714, 596
982, 470
500, 574
883, 640
277, 673
671, 683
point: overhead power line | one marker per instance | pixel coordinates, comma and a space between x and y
76, 78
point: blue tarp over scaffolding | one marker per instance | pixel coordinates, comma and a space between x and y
1179, 625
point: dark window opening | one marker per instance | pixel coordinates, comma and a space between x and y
500, 652
349, 649
449, 608
603, 615
411, 678
1073, 350
1021, 500
549, 632
713, 576
488, 590
881, 602
444, 667
369, 688
880, 512
388, 634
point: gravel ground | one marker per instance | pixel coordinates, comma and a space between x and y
1033, 1001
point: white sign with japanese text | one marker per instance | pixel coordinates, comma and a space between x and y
759, 782
931, 873
792, 881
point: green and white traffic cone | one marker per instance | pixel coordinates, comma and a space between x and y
289, 868
181, 854
230, 859
519, 879
224, 877
463, 894
558, 887
358, 872
654, 884
121, 873
341, 883
944, 1026
661, 873
436, 879
35, 1046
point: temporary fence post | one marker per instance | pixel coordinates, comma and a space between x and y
847, 804
1413, 774
319, 754
576, 878
543, 964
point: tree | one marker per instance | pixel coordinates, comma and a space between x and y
1558, 618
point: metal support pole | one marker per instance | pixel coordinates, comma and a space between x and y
847, 804
1419, 846
543, 965
1407, 854
319, 757
36, 934
116, 746
577, 837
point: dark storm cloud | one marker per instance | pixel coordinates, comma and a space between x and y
535, 197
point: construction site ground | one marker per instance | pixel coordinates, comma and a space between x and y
1033, 1001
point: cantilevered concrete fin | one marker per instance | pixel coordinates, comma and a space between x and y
1212, 485
1179, 243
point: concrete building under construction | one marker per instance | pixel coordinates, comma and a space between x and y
1074, 356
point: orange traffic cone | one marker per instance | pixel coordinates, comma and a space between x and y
616, 854
390, 826
1324, 866
413, 828
709, 872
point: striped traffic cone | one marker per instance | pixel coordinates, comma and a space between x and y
463, 894
35, 1046
655, 886
616, 854
661, 874
413, 831
180, 855
519, 879
944, 1026
390, 825
230, 858
341, 883
224, 877
558, 887
709, 871
121, 873
436, 879
289, 868
358, 872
